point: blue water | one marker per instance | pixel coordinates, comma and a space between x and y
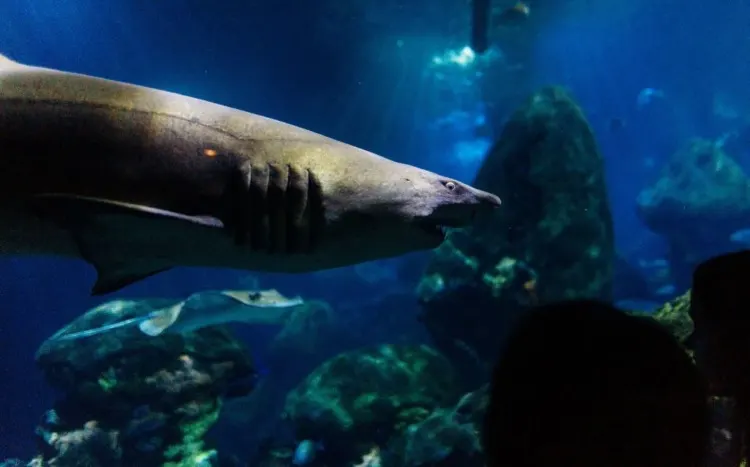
271, 58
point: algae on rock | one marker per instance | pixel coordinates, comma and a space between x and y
363, 398
149, 400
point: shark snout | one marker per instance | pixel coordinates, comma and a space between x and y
486, 199
474, 203
479, 202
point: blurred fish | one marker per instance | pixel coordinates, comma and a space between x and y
647, 96
725, 107
666, 290
306, 452
616, 124
512, 16
136, 181
741, 236
204, 309
721, 141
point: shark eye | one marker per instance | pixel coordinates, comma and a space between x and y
450, 185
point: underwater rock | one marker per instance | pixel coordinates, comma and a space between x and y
311, 335
700, 199
359, 400
88, 445
447, 437
13, 463
675, 316
315, 333
138, 399
552, 239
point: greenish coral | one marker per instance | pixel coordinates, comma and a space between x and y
446, 436
379, 390
410, 416
674, 315
152, 392
108, 380
450, 264
509, 275
191, 450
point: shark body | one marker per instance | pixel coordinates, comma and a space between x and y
136, 181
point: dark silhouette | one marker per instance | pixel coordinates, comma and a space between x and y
480, 19
719, 309
581, 384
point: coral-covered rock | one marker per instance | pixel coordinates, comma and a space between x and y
700, 199
552, 239
313, 334
447, 437
138, 399
675, 316
361, 399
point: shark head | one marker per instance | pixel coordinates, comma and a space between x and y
384, 213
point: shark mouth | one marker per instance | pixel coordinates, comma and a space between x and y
438, 230
440, 227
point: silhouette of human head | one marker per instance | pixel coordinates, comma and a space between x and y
581, 384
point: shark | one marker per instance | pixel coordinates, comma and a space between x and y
137, 181
203, 309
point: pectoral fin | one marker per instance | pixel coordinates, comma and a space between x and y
107, 232
160, 320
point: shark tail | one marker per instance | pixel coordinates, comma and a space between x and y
161, 320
